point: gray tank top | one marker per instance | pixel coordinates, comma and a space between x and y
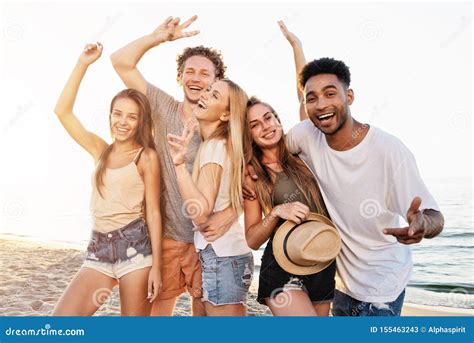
285, 191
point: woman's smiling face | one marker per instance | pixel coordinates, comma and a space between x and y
213, 104
264, 126
124, 119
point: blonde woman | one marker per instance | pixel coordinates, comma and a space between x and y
216, 183
123, 249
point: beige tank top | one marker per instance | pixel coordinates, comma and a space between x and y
123, 195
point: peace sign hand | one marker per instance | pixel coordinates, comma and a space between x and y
171, 30
179, 144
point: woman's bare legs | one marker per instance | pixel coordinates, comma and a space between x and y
88, 290
322, 309
291, 303
198, 308
225, 310
163, 307
133, 293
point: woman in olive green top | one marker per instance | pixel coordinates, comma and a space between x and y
286, 190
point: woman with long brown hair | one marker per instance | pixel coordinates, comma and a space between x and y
124, 249
285, 190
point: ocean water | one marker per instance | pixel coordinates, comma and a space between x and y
443, 267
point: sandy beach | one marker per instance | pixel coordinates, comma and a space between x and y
33, 276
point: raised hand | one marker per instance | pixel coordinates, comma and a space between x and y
290, 36
179, 144
91, 53
171, 29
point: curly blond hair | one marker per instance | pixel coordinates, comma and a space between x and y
213, 55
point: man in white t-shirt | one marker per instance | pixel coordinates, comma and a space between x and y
368, 179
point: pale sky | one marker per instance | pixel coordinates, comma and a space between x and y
411, 68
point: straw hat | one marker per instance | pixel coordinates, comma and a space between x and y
306, 248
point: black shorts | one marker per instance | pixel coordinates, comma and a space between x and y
274, 280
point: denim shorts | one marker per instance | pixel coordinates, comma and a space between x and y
225, 280
345, 305
121, 251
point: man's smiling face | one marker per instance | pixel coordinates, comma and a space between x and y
327, 102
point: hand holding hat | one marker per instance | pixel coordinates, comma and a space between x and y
306, 248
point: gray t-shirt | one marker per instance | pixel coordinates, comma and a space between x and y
166, 119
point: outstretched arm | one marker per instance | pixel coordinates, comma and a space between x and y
421, 224
300, 62
125, 60
92, 143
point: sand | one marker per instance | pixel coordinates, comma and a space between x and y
33, 276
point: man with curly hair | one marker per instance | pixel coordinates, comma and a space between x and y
197, 69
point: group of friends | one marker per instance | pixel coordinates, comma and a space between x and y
168, 192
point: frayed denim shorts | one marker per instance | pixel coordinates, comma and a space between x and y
225, 280
121, 251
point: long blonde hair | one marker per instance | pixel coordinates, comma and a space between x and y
292, 166
143, 137
232, 132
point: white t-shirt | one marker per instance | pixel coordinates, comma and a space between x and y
233, 242
366, 189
